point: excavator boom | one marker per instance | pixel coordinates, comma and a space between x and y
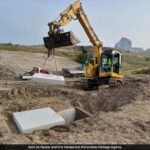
58, 39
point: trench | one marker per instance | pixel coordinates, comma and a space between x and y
66, 101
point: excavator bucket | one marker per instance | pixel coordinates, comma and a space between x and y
60, 40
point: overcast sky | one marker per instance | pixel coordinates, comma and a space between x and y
25, 21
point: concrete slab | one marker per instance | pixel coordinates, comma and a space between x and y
48, 79
45, 118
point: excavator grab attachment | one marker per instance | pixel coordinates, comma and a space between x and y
60, 40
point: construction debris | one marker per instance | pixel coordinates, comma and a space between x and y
73, 72
45, 118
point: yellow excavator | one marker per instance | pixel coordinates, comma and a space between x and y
105, 65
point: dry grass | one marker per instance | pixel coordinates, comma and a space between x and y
33, 49
131, 61
143, 71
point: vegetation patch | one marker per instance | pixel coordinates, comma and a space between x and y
132, 61
143, 71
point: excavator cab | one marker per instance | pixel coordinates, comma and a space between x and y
111, 61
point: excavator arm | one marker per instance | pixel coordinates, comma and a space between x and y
69, 14
66, 16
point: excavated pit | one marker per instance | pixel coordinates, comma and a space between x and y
32, 96
28, 96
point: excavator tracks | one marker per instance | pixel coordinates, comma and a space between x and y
113, 82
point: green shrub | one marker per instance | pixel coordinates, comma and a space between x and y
147, 58
81, 57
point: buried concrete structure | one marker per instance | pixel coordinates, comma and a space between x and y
45, 118
73, 114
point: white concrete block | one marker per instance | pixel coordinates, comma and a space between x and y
45, 118
48, 79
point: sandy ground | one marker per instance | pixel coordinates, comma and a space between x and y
119, 115
22, 61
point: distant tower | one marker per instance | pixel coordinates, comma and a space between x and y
124, 43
